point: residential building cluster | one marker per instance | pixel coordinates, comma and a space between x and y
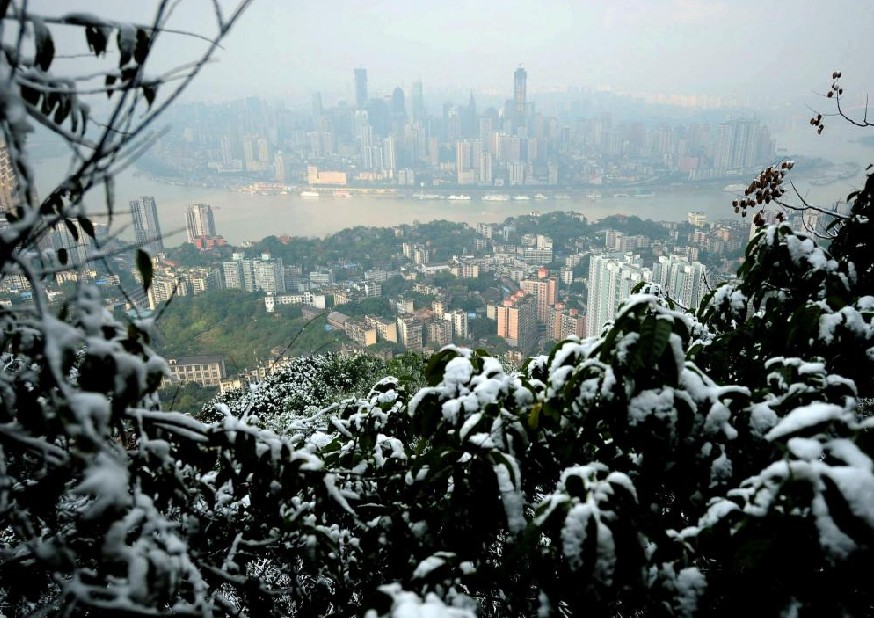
544, 292
392, 139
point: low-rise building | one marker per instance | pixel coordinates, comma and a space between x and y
360, 332
385, 330
438, 333
206, 370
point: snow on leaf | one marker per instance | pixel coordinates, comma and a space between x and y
106, 480
806, 417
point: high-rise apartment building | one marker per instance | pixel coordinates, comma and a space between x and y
520, 98
410, 332
517, 321
144, 212
468, 158
544, 290
742, 144
264, 274
611, 279
318, 111
682, 280
8, 181
268, 275
437, 333
78, 247
390, 155
361, 87
459, 324
562, 323
200, 222
486, 168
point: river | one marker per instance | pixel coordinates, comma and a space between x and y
241, 217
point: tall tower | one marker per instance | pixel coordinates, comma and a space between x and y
361, 87
144, 212
418, 101
200, 222
520, 90
317, 111
398, 106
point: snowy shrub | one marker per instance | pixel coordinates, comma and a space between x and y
676, 465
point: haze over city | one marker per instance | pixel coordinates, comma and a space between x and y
779, 51
419, 309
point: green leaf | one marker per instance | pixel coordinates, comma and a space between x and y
31, 95
126, 40
109, 189
660, 337
436, 366
128, 74
141, 50
108, 83
63, 110
49, 102
534, 416
52, 204
86, 225
149, 92
74, 231
97, 38
144, 266
83, 111
45, 46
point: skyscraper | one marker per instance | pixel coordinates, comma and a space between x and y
318, 110
611, 279
682, 280
418, 101
520, 90
200, 222
398, 106
144, 213
742, 144
361, 88
389, 155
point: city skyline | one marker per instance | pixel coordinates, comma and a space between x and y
668, 47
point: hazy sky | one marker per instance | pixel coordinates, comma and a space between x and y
289, 49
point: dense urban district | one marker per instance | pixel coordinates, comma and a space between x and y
515, 288
574, 141
228, 314
558, 411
